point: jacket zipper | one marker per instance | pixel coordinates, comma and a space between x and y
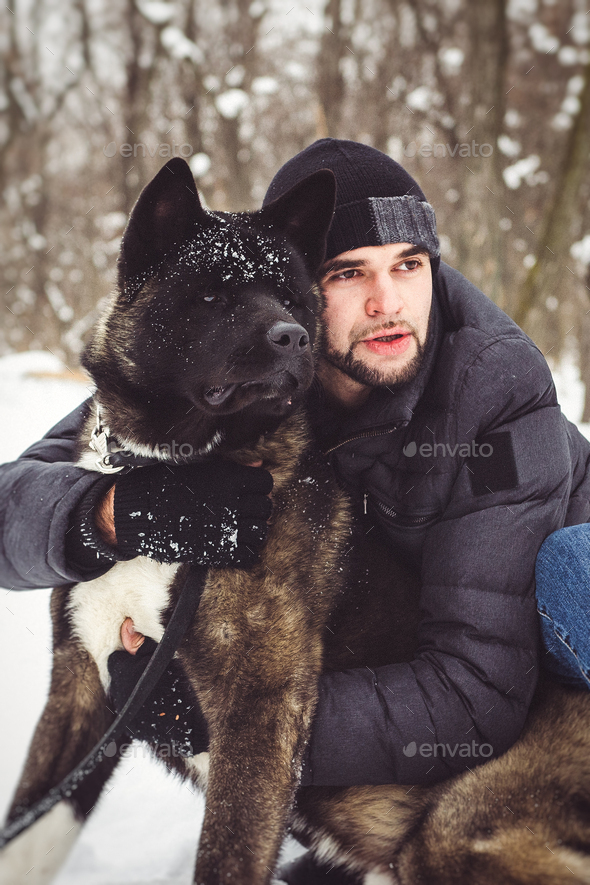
361, 436
393, 514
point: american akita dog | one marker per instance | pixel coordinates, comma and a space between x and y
205, 348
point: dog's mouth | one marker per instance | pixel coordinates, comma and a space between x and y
215, 396
267, 389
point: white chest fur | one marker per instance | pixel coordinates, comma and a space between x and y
136, 589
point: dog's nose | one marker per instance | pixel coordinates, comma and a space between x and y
288, 337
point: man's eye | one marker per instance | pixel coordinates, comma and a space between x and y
410, 264
347, 274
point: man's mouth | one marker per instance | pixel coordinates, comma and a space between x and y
393, 336
388, 342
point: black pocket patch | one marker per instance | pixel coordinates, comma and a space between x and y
493, 469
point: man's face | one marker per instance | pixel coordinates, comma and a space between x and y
375, 318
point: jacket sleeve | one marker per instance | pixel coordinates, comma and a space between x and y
465, 696
38, 494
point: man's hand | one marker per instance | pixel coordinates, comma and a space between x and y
213, 513
171, 716
131, 638
105, 518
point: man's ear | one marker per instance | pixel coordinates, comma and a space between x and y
304, 215
166, 212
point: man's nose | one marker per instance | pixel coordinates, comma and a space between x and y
384, 297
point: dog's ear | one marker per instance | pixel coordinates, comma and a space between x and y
304, 215
167, 210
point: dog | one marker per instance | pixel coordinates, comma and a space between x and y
183, 363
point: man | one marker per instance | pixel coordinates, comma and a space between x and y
440, 419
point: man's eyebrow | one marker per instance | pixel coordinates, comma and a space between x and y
412, 250
344, 264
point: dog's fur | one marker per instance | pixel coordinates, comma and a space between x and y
163, 361
184, 364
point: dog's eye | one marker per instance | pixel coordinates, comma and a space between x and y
210, 298
288, 303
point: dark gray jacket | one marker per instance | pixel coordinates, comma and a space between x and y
467, 471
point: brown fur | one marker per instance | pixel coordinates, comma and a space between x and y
259, 641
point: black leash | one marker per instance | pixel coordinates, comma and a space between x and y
182, 616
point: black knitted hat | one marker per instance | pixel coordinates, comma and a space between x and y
377, 201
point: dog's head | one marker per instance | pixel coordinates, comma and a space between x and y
210, 333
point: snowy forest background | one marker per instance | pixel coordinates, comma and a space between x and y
486, 102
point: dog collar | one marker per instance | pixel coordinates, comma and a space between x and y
112, 457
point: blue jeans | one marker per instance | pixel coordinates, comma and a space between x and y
563, 601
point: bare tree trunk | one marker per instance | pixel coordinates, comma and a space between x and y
330, 81
479, 246
584, 343
555, 239
137, 95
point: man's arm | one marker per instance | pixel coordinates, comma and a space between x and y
470, 685
39, 492
57, 521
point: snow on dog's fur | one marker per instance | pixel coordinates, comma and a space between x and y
183, 362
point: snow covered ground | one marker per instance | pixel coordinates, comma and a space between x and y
144, 830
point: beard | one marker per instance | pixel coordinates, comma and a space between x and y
352, 366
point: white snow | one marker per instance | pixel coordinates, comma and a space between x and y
521, 10
235, 76
567, 55
265, 85
145, 828
451, 58
179, 46
58, 302
510, 147
512, 118
514, 174
231, 103
156, 12
581, 250
581, 28
570, 389
561, 122
575, 84
420, 99
199, 164
570, 105
542, 39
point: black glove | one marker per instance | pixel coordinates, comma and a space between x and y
213, 513
171, 716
